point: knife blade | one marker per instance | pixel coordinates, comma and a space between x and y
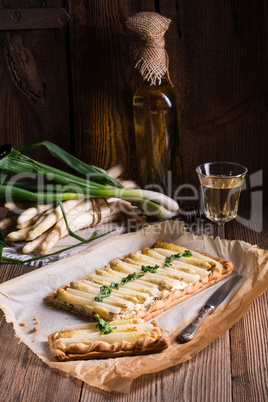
212, 303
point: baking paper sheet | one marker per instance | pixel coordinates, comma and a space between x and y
22, 300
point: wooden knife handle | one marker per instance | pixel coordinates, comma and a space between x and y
189, 332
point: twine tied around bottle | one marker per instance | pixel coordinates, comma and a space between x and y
150, 54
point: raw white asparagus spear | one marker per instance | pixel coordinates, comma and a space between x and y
56, 214
18, 235
12, 206
51, 219
116, 171
7, 222
84, 221
59, 229
49, 243
30, 222
51, 237
128, 183
42, 217
88, 218
32, 212
33, 245
57, 232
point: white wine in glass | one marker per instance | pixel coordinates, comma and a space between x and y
221, 184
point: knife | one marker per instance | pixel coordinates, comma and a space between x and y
212, 303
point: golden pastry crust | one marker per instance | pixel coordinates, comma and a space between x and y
101, 349
166, 302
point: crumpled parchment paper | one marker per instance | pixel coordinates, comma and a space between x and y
21, 299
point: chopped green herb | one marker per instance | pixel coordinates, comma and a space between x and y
169, 260
128, 278
104, 326
149, 268
187, 253
105, 291
114, 285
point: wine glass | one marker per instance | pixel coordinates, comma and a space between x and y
221, 184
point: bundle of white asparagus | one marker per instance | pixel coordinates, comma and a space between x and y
41, 226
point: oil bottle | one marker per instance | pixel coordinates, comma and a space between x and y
156, 108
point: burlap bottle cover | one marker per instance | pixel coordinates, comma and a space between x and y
150, 54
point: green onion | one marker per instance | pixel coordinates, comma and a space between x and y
94, 172
95, 183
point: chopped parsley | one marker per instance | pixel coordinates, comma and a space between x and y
149, 268
169, 260
105, 291
104, 326
187, 253
128, 278
114, 285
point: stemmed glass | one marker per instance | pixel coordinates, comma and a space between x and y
221, 184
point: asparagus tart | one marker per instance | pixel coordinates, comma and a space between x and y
107, 339
142, 284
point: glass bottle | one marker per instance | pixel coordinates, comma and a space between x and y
157, 121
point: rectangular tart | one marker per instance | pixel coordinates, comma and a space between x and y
128, 338
142, 284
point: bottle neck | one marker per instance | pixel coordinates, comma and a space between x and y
159, 82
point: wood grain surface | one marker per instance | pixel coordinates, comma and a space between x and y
34, 100
102, 81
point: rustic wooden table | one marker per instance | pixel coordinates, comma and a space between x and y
232, 368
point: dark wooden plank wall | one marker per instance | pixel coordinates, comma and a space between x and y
75, 85
34, 101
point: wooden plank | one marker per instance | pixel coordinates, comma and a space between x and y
248, 338
248, 341
33, 18
218, 63
195, 380
102, 76
34, 103
25, 377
